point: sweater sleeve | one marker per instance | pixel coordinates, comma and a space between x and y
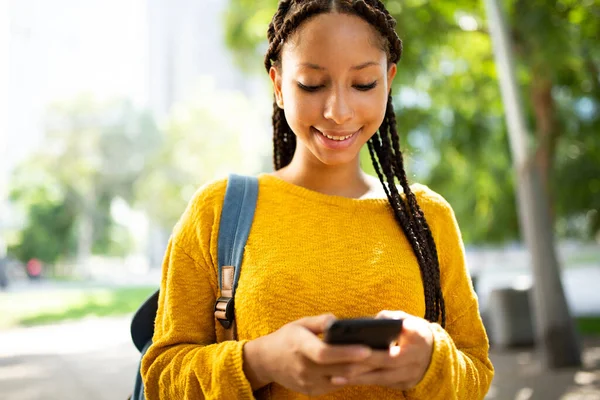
185, 361
460, 367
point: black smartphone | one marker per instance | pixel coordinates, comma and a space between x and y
378, 334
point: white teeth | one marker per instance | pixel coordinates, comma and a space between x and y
337, 138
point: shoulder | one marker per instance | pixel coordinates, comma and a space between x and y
433, 204
204, 207
209, 194
428, 196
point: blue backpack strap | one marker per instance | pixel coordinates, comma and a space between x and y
236, 220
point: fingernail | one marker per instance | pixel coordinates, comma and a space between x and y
339, 380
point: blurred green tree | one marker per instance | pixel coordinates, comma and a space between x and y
91, 154
48, 232
449, 106
202, 139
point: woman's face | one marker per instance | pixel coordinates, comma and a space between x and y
333, 85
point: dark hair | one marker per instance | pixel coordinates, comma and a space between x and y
384, 146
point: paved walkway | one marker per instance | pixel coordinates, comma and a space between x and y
94, 359
520, 375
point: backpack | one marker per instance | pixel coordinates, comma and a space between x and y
236, 219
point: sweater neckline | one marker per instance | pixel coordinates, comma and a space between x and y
268, 179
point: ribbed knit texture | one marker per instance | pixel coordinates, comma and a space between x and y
308, 253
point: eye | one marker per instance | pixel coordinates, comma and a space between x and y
366, 87
309, 88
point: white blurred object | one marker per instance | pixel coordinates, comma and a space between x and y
2, 248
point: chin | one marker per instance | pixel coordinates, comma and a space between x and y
337, 160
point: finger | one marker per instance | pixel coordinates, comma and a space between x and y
393, 358
319, 352
316, 385
316, 379
345, 369
407, 322
391, 314
415, 332
324, 354
316, 324
395, 351
344, 376
382, 377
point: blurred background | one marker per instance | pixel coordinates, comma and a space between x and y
112, 114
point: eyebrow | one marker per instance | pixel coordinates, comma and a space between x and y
354, 68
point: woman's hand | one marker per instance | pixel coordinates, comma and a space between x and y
295, 357
404, 366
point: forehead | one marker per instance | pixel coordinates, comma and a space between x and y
334, 37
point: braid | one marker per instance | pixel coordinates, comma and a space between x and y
384, 146
376, 14
379, 150
284, 141
425, 235
401, 210
418, 231
283, 26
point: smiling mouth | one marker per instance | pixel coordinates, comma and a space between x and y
336, 138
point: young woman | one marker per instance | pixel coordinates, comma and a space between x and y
327, 241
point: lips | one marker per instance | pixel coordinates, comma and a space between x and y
336, 140
337, 135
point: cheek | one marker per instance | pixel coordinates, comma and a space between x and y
371, 109
302, 109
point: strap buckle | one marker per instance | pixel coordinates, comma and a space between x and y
224, 311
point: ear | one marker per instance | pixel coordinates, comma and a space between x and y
275, 76
391, 74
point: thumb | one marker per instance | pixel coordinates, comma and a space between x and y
316, 324
387, 314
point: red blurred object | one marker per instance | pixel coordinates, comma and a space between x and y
34, 268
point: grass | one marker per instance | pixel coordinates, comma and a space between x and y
588, 325
48, 307
52, 306
585, 256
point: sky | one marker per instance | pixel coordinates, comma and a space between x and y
62, 48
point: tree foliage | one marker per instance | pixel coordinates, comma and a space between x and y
92, 153
450, 113
211, 134
48, 233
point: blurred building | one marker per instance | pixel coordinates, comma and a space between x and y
187, 41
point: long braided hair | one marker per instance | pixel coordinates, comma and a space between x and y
384, 146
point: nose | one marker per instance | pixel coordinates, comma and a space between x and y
338, 107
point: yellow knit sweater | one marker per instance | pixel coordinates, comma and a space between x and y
308, 253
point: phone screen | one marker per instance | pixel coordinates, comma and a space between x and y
375, 333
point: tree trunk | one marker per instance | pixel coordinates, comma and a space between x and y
85, 234
554, 327
546, 133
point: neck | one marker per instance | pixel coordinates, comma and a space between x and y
347, 180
